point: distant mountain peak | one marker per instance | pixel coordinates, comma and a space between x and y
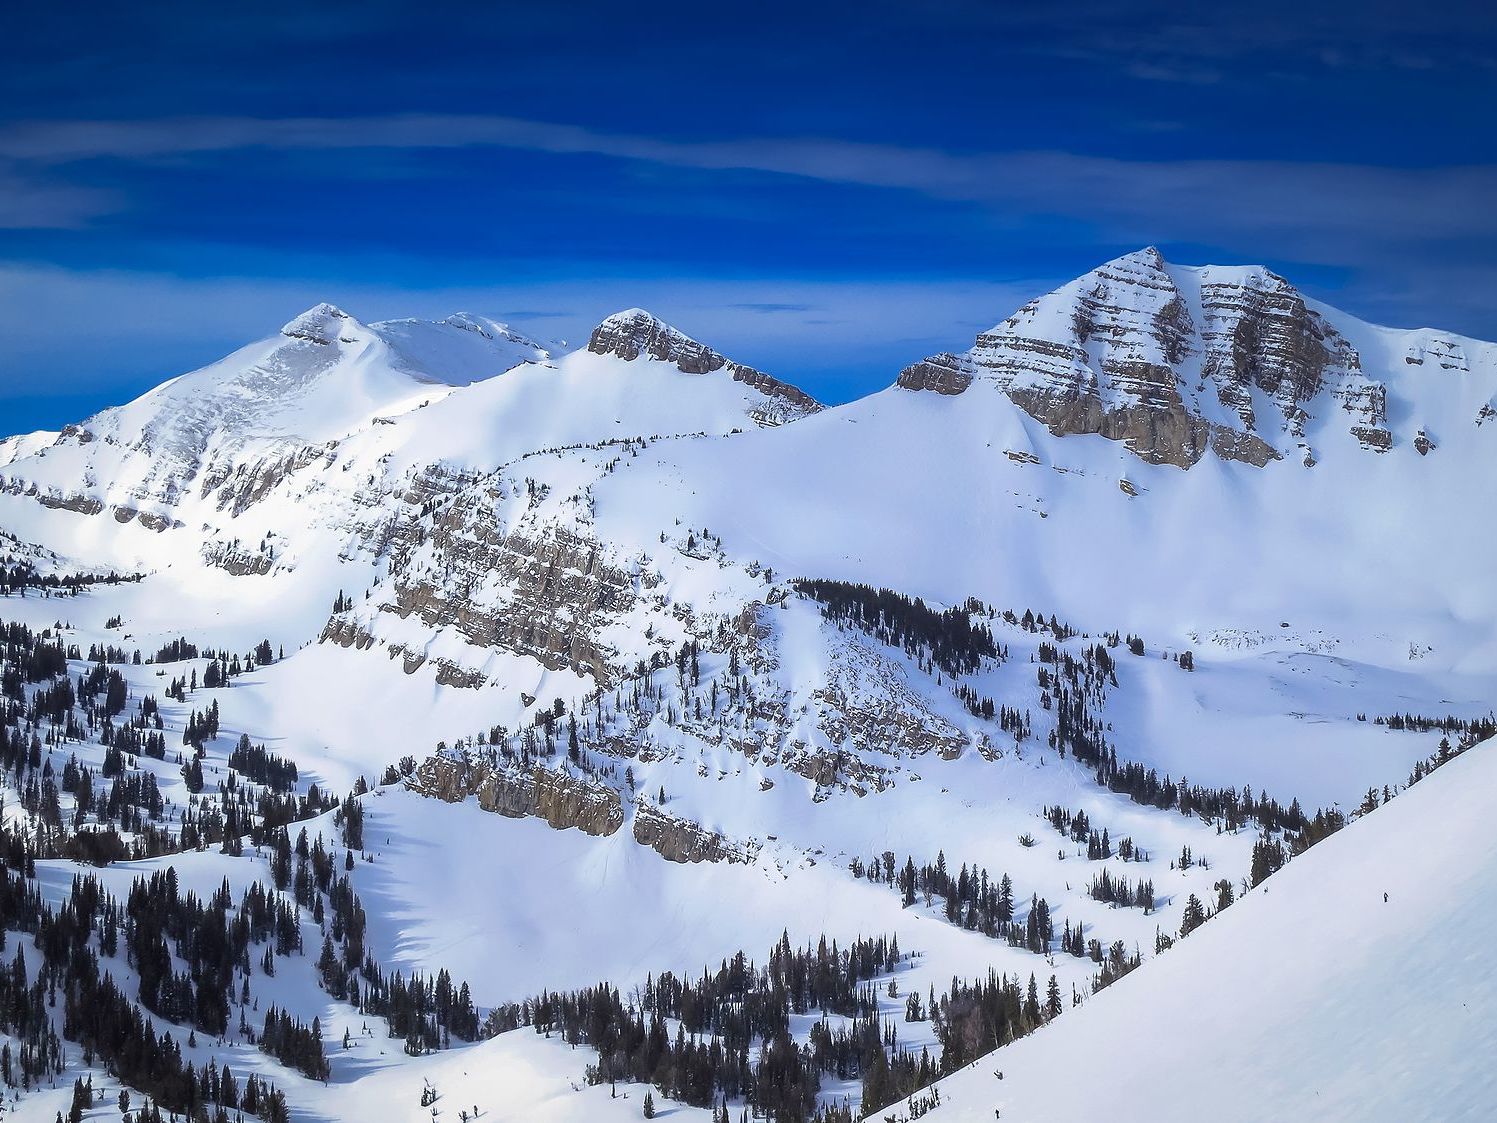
489, 329
322, 323
1148, 257
630, 315
635, 333
323, 376
1172, 361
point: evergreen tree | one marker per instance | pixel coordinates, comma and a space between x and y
1195, 915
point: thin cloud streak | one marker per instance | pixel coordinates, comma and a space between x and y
1321, 208
29, 203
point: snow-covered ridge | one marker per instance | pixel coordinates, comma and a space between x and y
23, 445
327, 423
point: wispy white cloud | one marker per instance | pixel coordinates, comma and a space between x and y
30, 202
1304, 209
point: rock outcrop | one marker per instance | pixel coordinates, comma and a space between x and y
562, 801
537, 589
945, 373
79, 504
635, 333
681, 840
566, 802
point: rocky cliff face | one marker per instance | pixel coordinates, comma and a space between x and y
944, 373
635, 333
538, 587
680, 840
565, 802
1173, 361
562, 801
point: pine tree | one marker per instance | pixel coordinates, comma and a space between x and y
1195, 915
1032, 1002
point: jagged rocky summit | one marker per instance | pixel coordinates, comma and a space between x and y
1171, 361
635, 333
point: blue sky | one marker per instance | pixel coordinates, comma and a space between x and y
828, 191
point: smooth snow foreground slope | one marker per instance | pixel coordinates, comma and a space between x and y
1309, 998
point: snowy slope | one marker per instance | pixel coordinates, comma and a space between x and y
1082, 522
581, 398
24, 445
1309, 997
1308, 595
513, 907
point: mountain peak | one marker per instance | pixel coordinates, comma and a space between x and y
1173, 361
485, 327
322, 323
631, 315
1147, 258
635, 332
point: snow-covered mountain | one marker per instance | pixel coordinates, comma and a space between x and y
302, 443
221, 432
1173, 360
321, 377
595, 630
